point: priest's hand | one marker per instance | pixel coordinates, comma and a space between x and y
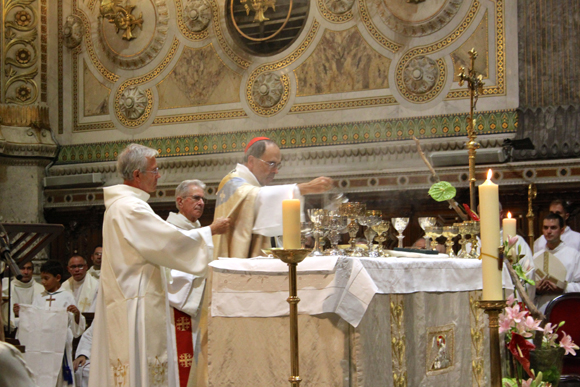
220, 226
16, 309
319, 185
75, 311
79, 362
548, 287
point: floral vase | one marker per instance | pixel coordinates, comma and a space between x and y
549, 361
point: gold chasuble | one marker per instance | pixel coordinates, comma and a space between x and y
236, 198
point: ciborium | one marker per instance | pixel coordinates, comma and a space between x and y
352, 211
293, 257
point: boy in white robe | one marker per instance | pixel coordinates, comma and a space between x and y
55, 298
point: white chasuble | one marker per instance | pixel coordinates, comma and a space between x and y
130, 327
20, 293
47, 330
85, 291
256, 213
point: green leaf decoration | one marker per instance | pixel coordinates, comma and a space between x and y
442, 191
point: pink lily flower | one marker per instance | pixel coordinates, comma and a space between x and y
504, 323
567, 343
512, 240
527, 383
532, 324
511, 300
515, 314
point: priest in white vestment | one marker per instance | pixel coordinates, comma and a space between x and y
547, 289
130, 327
570, 237
96, 258
84, 287
21, 292
254, 207
184, 290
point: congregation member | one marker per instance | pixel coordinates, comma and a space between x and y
255, 207
569, 237
184, 290
21, 291
130, 346
53, 298
547, 287
96, 258
84, 287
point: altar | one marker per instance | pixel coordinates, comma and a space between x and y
362, 322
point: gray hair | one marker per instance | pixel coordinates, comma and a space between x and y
134, 158
257, 149
183, 188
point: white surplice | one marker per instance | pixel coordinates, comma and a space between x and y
85, 291
21, 293
94, 272
570, 237
15, 372
47, 330
130, 326
84, 349
570, 258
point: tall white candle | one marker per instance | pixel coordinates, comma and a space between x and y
509, 227
291, 224
489, 229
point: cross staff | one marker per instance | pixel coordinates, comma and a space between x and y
475, 86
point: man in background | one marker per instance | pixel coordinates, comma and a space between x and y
568, 236
84, 287
22, 292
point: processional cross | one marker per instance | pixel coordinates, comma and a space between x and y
475, 86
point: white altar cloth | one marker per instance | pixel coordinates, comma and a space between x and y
343, 285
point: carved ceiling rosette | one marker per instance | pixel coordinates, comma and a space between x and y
131, 36
420, 74
418, 18
197, 15
133, 103
267, 90
72, 31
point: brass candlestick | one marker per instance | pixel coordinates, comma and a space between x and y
532, 192
293, 257
475, 86
493, 309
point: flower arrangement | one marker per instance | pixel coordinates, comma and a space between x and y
520, 327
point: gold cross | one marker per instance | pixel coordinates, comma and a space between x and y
183, 324
186, 359
85, 303
50, 300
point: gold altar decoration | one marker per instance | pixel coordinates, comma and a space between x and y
293, 257
492, 309
532, 193
475, 86
259, 6
121, 17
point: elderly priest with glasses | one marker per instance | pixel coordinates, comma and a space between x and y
130, 345
254, 206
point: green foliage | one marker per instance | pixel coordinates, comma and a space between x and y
442, 191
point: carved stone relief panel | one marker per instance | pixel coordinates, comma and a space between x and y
72, 31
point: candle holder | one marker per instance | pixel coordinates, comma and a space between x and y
493, 309
293, 257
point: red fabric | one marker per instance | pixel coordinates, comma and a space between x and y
254, 140
184, 339
568, 310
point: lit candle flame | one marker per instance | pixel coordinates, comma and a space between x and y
509, 215
489, 174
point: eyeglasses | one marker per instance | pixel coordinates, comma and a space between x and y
272, 164
72, 267
98, 254
153, 171
195, 198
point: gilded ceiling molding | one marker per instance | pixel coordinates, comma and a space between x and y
199, 117
499, 88
254, 87
422, 51
43, 51
108, 75
344, 15
453, 126
241, 62
91, 4
193, 25
21, 20
373, 31
24, 116
345, 104
59, 17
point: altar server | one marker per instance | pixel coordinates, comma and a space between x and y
22, 292
84, 287
570, 237
130, 332
548, 283
42, 332
254, 207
